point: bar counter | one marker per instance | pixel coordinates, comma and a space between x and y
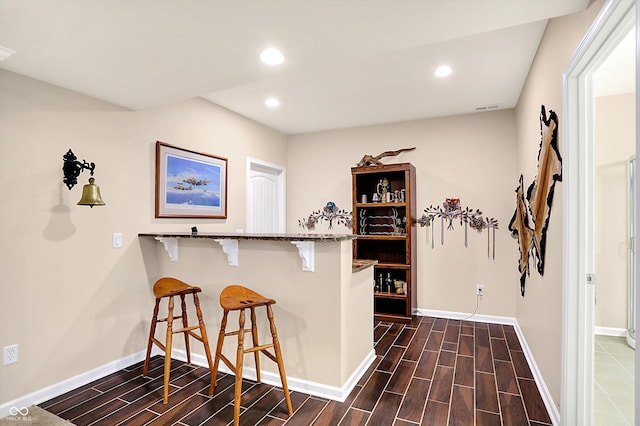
324, 309
247, 236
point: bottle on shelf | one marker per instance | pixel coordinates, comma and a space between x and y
388, 283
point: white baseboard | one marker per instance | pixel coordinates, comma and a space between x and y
301, 385
67, 385
552, 409
335, 393
610, 331
549, 403
462, 316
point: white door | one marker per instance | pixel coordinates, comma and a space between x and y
266, 199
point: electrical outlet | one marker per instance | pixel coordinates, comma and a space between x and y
9, 354
479, 289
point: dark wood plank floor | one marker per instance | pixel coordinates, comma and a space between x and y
432, 371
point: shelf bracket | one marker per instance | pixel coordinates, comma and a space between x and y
307, 251
171, 246
230, 247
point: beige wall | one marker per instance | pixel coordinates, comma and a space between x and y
471, 157
75, 303
70, 301
539, 313
615, 144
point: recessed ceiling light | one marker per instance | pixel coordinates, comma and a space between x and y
272, 102
272, 56
443, 71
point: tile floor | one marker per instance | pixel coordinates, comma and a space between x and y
614, 377
432, 372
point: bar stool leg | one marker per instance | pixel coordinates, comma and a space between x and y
216, 361
152, 333
239, 361
276, 348
205, 338
185, 324
254, 338
167, 351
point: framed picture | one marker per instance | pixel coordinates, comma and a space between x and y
189, 183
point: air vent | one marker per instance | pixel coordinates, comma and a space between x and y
487, 107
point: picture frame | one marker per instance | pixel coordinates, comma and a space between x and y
190, 184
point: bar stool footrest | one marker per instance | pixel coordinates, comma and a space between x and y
235, 333
270, 355
258, 348
185, 329
228, 363
159, 344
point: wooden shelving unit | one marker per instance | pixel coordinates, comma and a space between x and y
386, 232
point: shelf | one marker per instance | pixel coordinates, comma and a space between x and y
394, 237
379, 205
382, 295
392, 266
392, 317
386, 265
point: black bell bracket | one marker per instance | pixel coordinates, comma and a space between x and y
72, 168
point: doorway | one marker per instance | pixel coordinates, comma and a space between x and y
614, 143
614, 21
266, 197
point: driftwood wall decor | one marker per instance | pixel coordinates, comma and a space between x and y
521, 226
370, 160
530, 220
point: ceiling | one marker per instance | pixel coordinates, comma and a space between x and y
348, 62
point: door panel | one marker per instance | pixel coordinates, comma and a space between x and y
265, 197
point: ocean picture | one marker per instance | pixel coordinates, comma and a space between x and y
191, 182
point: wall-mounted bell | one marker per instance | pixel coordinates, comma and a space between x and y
91, 195
72, 169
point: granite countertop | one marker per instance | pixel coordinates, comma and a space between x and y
246, 236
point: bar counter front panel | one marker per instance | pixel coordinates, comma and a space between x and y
324, 318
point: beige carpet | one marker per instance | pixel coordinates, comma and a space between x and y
33, 415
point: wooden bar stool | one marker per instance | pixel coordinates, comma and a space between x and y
170, 287
238, 298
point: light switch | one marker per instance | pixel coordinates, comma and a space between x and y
117, 239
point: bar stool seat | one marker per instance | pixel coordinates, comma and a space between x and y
239, 298
169, 288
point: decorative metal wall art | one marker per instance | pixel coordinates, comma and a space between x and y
329, 212
531, 218
450, 211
